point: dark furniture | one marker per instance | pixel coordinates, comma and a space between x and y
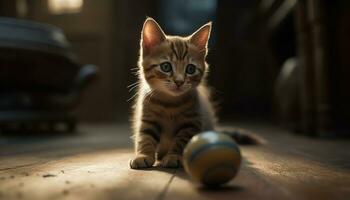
40, 78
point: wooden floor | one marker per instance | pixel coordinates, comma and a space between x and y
94, 165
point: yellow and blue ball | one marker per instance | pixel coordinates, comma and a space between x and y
212, 158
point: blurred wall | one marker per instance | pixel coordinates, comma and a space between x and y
240, 72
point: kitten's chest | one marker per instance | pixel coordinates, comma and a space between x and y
171, 113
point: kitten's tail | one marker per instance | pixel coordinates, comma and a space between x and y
242, 136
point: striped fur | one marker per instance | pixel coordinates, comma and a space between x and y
167, 115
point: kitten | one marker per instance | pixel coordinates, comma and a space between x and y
172, 102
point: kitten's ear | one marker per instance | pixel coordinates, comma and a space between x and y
200, 38
152, 35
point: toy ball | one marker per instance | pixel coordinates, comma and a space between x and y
212, 158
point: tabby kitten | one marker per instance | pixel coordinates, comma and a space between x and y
172, 102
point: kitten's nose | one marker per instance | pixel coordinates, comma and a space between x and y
179, 83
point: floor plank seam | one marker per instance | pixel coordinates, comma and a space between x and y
19, 166
162, 194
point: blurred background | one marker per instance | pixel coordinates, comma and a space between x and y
281, 61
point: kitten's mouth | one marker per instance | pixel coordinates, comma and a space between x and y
177, 90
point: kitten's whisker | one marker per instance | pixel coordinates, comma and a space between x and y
133, 96
131, 89
133, 84
150, 95
136, 72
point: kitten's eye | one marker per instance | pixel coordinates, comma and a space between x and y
191, 69
166, 67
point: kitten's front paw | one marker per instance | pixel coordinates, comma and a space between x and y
142, 161
172, 161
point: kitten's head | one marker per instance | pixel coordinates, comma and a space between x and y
171, 64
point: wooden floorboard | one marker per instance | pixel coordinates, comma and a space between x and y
94, 165
247, 185
271, 174
299, 177
101, 174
